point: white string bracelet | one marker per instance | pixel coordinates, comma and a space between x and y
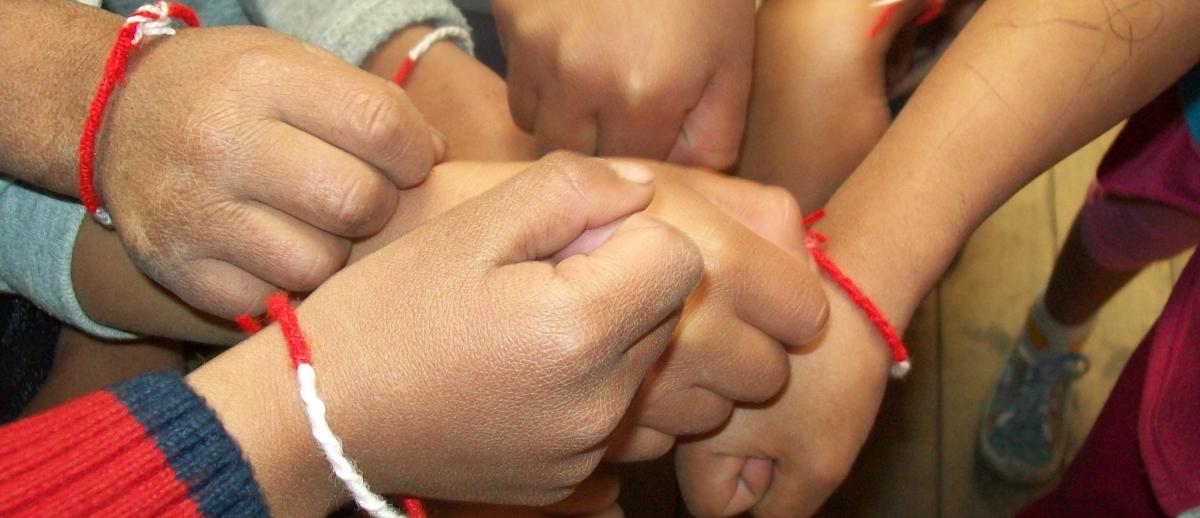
422, 47
279, 309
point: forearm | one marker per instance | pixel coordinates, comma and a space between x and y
1026, 83
114, 292
818, 103
53, 58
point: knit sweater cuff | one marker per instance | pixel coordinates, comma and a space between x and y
353, 30
146, 447
39, 231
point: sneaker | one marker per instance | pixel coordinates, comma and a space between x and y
1023, 436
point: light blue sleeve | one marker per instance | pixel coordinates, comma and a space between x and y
353, 29
37, 241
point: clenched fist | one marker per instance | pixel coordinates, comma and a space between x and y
463, 361
662, 79
237, 161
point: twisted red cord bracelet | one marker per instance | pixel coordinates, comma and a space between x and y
890, 7
148, 20
816, 240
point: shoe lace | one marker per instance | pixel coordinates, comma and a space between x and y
1030, 409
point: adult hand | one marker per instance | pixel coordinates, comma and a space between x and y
237, 161
667, 79
491, 374
459, 96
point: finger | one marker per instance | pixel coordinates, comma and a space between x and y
542, 210
645, 123
563, 123
712, 131
779, 294
632, 442
284, 252
596, 494
523, 97
360, 113
221, 289
771, 212
633, 283
322, 185
753, 366
792, 492
712, 484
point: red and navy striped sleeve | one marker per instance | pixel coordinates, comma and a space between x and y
146, 447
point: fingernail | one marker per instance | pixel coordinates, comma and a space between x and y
439, 144
632, 172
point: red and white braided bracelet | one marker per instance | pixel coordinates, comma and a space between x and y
148, 20
422, 47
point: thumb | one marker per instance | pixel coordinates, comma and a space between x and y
770, 211
718, 485
543, 209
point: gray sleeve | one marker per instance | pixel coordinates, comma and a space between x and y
37, 240
353, 29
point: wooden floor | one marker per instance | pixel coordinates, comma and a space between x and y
927, 465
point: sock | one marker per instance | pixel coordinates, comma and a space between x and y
1046, 336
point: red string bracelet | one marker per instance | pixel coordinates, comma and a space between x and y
148, 20
816, 240
279, 309
890, 7
422, 47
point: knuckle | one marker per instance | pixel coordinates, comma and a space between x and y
220, 295
385, 126
576, 340
785, 206
306, 267
771, 376
362, 205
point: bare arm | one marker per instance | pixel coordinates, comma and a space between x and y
1026, 83
53, 55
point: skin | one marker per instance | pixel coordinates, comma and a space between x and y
668, 91
579, 335
759, 293
1024, 84
331, 146
809, 126
459, 96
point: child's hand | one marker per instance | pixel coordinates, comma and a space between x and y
786, 458
662, 79
238, 161
756, 297
458, 364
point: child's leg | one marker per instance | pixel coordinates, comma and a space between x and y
819, 101
83, 364
1131, 219
1110, 242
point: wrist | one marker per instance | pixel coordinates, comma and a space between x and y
55, 60
459, 96
252, 390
